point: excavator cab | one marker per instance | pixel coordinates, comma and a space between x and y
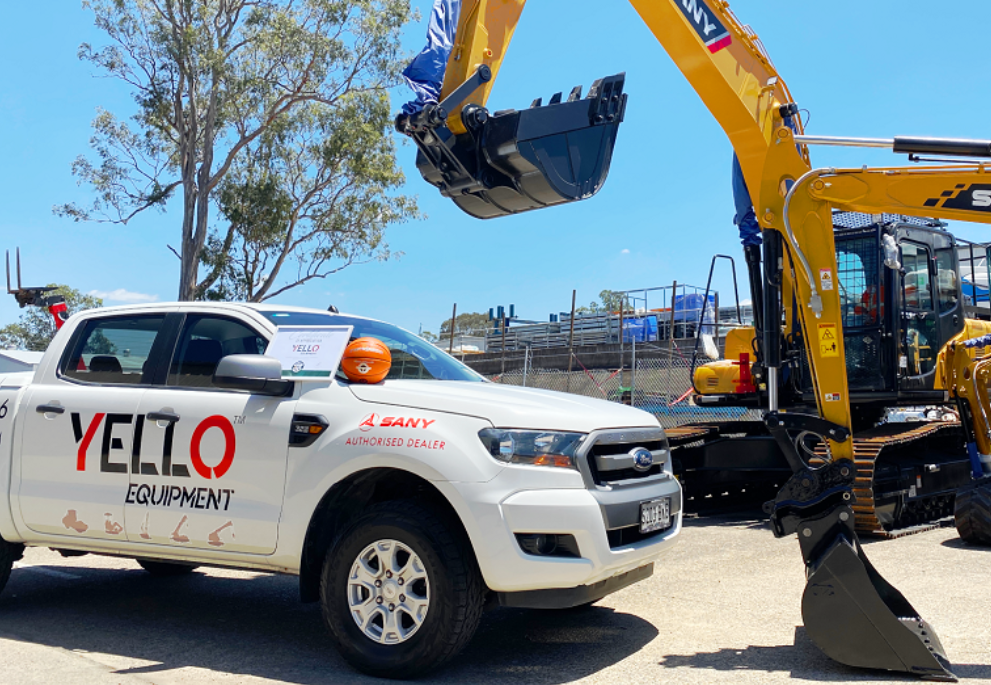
512, 161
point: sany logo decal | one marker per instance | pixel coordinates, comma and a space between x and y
976, 196
706, 24
110, 443
374, 421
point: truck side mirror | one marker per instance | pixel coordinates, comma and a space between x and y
254, 373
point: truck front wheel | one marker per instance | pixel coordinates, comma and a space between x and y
400, 594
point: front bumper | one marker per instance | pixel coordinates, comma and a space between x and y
566, 598
532, 500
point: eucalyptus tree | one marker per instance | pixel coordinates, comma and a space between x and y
216, 82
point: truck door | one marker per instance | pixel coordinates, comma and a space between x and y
212, 460
920, 328
78, 429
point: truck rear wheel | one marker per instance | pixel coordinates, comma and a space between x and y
972, 514
9, 553
400, 594
166, 568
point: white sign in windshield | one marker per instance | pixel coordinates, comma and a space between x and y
309, 351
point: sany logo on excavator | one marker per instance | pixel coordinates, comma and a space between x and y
706, 24
976, 196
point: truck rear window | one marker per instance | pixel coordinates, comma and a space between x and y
113, 350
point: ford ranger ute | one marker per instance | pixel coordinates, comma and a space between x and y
163, 433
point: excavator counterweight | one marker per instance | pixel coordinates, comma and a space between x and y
516, 160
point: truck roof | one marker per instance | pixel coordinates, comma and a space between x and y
235, 306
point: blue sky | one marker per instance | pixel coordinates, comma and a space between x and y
878, 68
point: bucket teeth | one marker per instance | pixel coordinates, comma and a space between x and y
576, 94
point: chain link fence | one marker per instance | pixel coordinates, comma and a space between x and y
660, 384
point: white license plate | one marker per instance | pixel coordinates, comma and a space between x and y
655, 515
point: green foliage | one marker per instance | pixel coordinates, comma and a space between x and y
35, 328
314, 191
611, 301
469, 323
270, 111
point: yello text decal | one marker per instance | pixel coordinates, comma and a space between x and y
164, 465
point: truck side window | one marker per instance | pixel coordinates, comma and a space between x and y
203, 342
946, 280
113, 350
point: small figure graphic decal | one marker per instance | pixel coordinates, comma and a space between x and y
178, 536
214, 537
111, 526
70, 521
144, 528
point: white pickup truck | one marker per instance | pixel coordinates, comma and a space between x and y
164, 434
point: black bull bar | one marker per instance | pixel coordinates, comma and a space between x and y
514, 161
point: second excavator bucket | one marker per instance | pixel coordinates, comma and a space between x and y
851, 613
514, 161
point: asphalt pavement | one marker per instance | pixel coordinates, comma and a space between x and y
723, 606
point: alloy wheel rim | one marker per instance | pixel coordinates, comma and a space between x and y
388, 592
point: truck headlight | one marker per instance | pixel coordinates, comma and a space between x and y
536, 448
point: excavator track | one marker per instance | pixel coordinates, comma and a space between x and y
867, 449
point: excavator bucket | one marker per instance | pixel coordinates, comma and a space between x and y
851, 613
514, 161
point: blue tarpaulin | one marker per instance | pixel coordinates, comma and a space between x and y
425, 74
640, 329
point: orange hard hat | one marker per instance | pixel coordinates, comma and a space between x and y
366, 360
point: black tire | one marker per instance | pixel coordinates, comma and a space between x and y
9, 553
455, 591
166, 568
972, 514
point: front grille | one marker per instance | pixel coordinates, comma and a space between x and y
618, 448
620, 537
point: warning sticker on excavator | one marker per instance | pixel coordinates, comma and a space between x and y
828, 342
825, 279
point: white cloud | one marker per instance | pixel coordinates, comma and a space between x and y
121, 295
624, 251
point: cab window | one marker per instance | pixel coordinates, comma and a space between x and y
915, 262
946, 280
203, 342
113, 351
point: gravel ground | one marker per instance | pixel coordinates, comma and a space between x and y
724, 606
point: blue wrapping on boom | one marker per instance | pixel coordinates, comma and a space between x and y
425, 74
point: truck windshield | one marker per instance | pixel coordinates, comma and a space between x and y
412, 357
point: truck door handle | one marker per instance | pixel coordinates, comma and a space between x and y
162, 416
50, 409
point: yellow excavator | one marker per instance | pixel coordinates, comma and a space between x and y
795, 361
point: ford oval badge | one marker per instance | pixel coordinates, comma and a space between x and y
642, 458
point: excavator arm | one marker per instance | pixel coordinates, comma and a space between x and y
494, 165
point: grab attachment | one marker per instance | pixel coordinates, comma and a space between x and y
851, 613
514, 161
